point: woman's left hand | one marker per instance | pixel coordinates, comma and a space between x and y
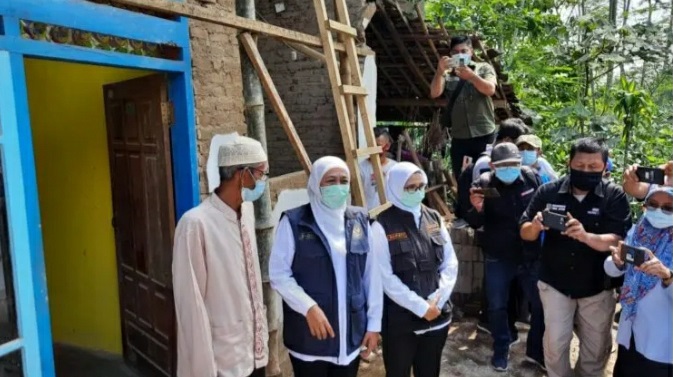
654, 267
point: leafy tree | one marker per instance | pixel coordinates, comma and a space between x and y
563, 56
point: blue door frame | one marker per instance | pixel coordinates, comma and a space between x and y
16, 149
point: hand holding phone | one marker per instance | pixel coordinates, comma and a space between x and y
650, 175
633, 255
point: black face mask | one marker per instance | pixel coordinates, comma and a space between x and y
584, 180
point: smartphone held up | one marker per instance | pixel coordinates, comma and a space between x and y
650, 175
633, 255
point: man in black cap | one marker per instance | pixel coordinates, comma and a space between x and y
498, 199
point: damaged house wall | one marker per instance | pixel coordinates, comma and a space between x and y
303, 85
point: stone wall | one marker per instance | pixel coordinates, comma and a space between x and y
303, 85
218, 88
469, 286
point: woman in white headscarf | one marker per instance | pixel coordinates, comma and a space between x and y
418, 271
322, 264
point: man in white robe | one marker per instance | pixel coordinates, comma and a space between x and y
221, 319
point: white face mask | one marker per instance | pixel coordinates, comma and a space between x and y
658, 219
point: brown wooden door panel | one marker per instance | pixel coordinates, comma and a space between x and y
140, 166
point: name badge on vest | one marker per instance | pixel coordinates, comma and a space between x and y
594, 211
396, 236
559, 208
305, 236
527, 192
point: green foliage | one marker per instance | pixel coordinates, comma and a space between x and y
578, 72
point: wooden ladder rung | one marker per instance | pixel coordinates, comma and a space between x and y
366, 152
354, 90
342, 28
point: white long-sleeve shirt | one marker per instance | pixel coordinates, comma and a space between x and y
400, 292
369, 182
280, 274
652, 325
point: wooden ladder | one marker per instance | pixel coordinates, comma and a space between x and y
343, 93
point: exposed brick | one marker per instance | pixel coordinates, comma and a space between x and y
303, 86
218, 88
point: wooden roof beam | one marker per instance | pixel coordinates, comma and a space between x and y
380, 40
219, 16
404, 51
419, 12
412, 102
392, 82
431, 65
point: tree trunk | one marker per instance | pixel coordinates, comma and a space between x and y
613, 22
254, 116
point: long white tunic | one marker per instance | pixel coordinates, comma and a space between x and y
280, 274
369, 182
221, 318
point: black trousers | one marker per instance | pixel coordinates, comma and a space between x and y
468, 147
261, 372
423, 353
303, 368
630, 363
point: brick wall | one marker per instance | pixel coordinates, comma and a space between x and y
303, 85
218, 90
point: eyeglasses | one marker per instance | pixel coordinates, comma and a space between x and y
264, 174
412, 188
667, 209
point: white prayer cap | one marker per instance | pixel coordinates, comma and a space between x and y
241, 150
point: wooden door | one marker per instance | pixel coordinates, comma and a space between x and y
144, 220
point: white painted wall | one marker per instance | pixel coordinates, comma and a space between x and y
369, 80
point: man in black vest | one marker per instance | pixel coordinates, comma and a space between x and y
504, 252
418, 270
323, 266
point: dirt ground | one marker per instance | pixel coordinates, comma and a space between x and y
468, 352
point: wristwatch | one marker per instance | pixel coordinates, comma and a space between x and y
668, 280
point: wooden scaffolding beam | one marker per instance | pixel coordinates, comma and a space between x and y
219, 16
272, 94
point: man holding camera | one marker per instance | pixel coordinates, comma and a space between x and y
498, 199
582, 215
469, 113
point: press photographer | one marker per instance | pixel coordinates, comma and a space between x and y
468, 86
583, 216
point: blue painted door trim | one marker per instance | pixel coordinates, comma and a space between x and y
17, 149
23, 214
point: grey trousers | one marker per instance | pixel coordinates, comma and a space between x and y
593, 317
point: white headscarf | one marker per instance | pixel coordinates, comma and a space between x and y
330, 221
397, 177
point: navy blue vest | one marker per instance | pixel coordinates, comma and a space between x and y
313, 270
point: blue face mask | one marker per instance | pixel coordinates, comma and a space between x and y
335, 196
412, 199
250, 195
658, 219
528, 158
508, 174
